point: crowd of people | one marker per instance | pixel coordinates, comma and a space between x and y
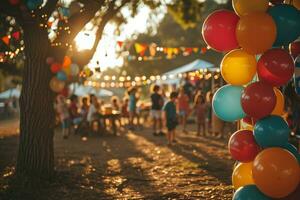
189, 102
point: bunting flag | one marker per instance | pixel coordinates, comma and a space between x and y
120, 44
140, 48
5, 39
16, 35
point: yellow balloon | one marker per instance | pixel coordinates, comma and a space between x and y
56, 85
295, 3
244, 7
279, 107
238, 67
242, 175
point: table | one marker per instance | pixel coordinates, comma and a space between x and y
115, 115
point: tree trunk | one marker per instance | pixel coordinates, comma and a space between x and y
36, 156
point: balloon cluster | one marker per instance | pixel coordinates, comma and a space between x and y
63, 72
255, 65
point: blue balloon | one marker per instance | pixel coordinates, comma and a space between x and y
61, 75
287, 20
271, 131
227, 103
249, 192
291, 148
33, 4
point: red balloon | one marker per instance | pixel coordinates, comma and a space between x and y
274, 2
14, 2
242, 146
218, 30
275, 67
258, 100
55, 67
295, 48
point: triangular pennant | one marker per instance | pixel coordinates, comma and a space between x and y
5, 39
189, 50
16, 35
140, 48
203, 50
120, 44
152, 49
195, 50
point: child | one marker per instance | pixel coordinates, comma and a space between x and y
183, 107
124, 111
171, 117
208, 113
132, 106
200, 109
63, 112
156, 106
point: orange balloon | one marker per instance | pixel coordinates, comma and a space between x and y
242, 175
279, 107
276, 172
244, 7
295, 3
256, 32
67, 62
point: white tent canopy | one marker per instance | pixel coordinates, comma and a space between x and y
14, 92
193, 66
82, 90
196, 65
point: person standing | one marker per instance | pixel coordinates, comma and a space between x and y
183, 108
64, 116
171, 118
156, 107
132, 106
200, 109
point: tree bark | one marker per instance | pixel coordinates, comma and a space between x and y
36, 156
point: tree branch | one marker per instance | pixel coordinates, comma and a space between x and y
49, 7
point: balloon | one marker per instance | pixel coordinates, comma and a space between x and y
33, 4
55, 67
67, 62
244, 7
242, 175
295, 3
279, 107
271, 131
249, 192
238, 67
74, 69
218, 30
14, 2
287, 22
56, 85
243, 146
294, 196
226, 103
274, 2
276, 172
61, 75
295, 48
258, 100
275, 67
291, 148
256, 32
297, 75
50, 60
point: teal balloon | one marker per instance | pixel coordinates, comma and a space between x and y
287, 20
61, 75
226, 103
291, 148
33, 4
249, 192
271, 131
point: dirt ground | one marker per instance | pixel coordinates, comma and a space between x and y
133, 165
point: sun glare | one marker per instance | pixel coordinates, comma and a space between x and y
85, 40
